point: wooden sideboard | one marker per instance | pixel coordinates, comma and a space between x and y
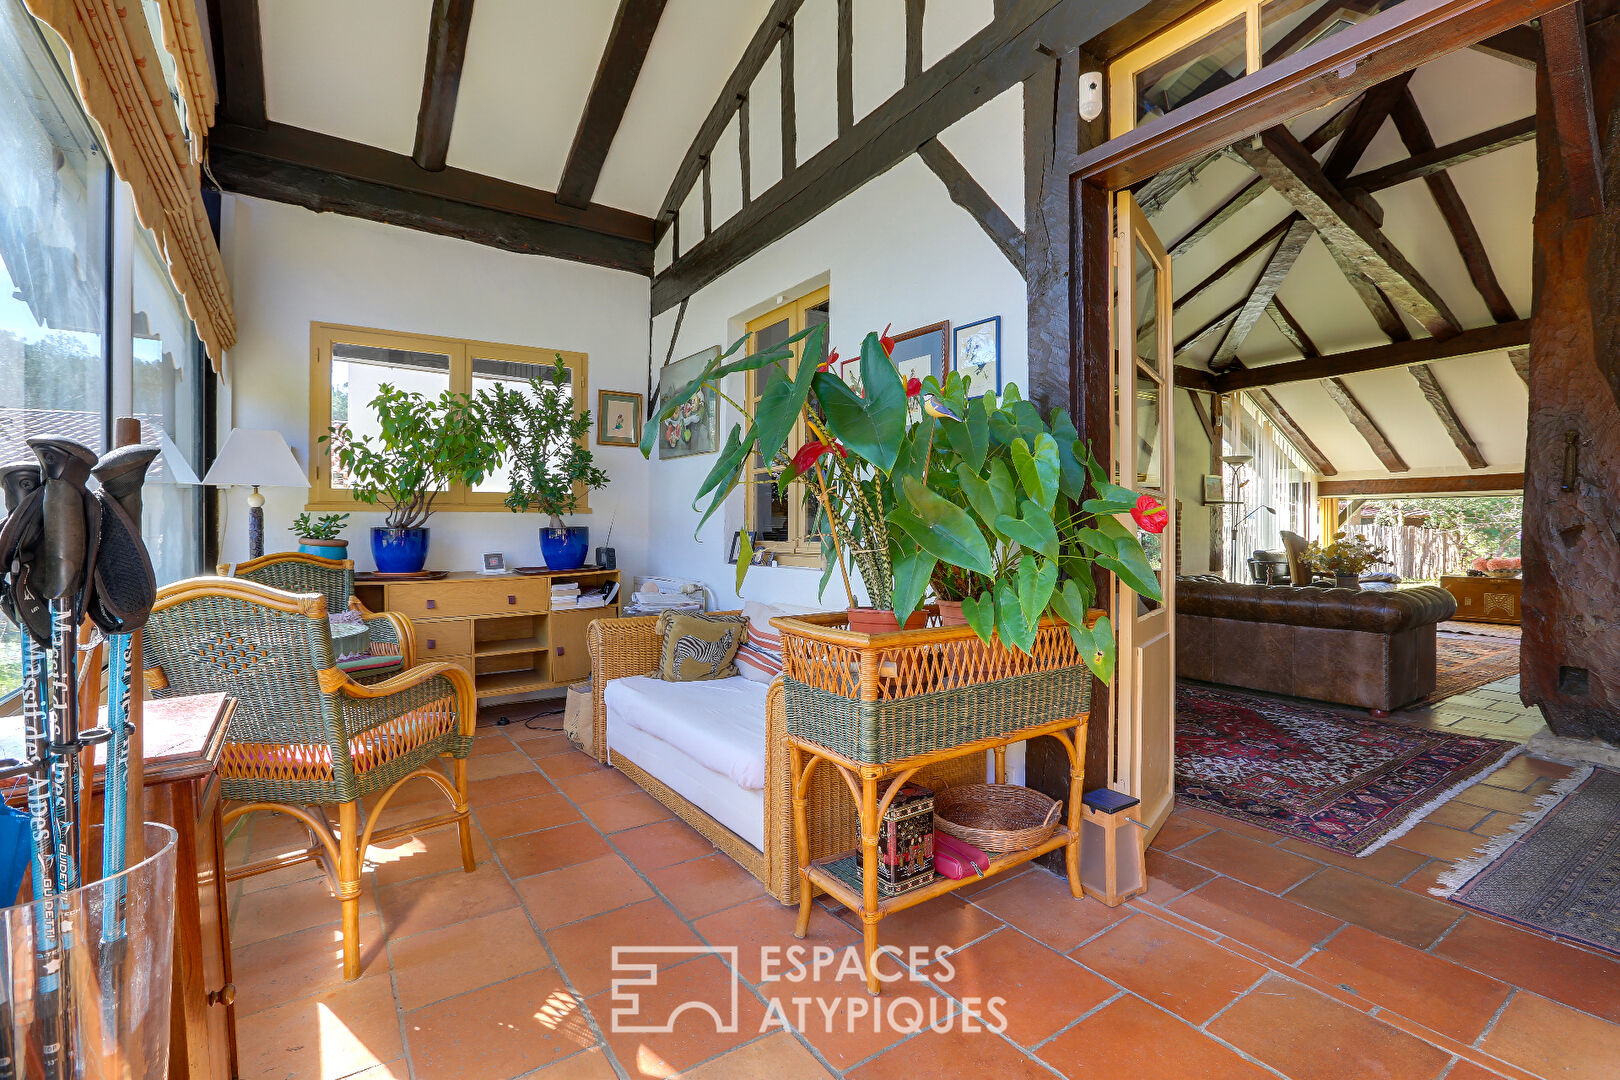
1485, 599
501, 629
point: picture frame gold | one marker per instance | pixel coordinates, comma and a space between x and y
618, 418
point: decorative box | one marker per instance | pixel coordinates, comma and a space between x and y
906, 842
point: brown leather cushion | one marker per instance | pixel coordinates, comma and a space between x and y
1335, 609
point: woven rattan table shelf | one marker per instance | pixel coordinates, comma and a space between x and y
869, 694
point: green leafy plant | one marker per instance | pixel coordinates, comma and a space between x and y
980, 498
1344, 556
325, 527
423, 446
547, 441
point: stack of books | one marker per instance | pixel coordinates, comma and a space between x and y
594, 598
564, 594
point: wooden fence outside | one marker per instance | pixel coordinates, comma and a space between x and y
1413, 552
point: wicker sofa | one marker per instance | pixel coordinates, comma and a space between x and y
629, 647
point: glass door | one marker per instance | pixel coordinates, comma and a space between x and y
1144, 685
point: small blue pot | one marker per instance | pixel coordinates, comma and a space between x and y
326, 549
564, 549
399, 551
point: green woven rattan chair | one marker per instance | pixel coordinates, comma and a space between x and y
305, 736
390, 637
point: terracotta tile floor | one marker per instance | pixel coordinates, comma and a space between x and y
1251, 956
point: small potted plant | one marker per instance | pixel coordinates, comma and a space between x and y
319, 535
550, 460
1346, 558
420, 448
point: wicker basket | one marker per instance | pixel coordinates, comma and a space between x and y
996, 817
878, 698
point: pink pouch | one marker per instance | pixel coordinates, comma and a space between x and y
957, 860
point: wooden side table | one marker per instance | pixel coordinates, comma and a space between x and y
874, 786
1485, 599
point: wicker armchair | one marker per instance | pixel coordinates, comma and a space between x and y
391, 639
305, 736
630, 646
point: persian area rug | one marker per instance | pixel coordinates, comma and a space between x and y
1347, 783
1464, 663
1558, 871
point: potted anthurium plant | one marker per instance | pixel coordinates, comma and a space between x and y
980, 499
421, 447
546, 441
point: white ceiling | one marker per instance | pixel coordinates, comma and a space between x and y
1459, 94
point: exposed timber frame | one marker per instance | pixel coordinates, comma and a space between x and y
233, 26
970, 196
1273, 410
1569, 77
441, 81
1486, 339
1365, 425
616, 73
1467, 484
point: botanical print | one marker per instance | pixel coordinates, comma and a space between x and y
978, 355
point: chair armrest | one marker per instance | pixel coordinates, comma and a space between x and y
391, 630
619, 648
380, 702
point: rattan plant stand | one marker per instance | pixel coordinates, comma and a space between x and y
878, 708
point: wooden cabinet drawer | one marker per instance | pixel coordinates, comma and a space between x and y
443, 638
451, 599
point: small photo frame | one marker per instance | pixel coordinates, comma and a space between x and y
618, 418
976, 355
920, 353
1213, 492
494, 563
763, 557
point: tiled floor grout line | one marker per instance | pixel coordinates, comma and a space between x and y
1204, 1027
1513, 992
1082, 1018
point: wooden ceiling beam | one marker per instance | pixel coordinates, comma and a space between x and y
233, 26
1291, 430
616, 73
759, 49
1290, 328
1435, 394
1569, 77
970, 196
1486, 339
1365, 425
1520, 359
1440, 158
1466, 484
1377, 304
1271, 277
1209, 327
1289, 168
1000, 55
1226, 269
1415, 134
1369, 118
325, 173
1518, 45
441, 81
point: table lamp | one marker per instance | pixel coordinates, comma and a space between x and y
253, 458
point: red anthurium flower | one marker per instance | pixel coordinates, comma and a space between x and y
811, 452
913, 387
826, 365
886, 341
1150, 514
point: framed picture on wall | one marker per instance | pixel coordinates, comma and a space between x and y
976, 355
618, 418
694, 427
1212, 489
920, 353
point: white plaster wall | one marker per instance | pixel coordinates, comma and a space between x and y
290, 267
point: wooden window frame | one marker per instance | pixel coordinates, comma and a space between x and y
459, 498
800, 549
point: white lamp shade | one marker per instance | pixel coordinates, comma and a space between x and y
253, 457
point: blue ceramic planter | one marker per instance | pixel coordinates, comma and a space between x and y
564, 549
326, 549
399, 551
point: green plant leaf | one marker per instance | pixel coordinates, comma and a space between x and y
1016, 631
1039, 469
870, 434
916, 450
980, 613
729, 463
1015, 420
970, 438
1136, 576
1071, 458
911, 573
1097, 647
1069, 603
745, 558
829, 554
945, 529
1036, 579
779, 409
1033, 530
982, 496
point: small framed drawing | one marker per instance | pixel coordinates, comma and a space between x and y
976, 355
494, 563
763, 557
1212, 489
920, 353
618, 418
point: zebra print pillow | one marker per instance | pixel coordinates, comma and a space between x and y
697, 647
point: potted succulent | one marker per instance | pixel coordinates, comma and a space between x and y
546, 442
319, 535
1346, 558
981, 499
422, 447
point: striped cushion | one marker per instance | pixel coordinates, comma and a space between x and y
760, 656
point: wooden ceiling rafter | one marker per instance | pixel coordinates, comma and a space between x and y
441, 81
1446, 413
1273, 411
1270, 279
1466, 484
1520, 358
233, 26
1290, 328
634, 25
1365, 425
1371, 113
1440, 158
967, 193
1496, 337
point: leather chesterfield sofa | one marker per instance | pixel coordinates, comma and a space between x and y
1373, 650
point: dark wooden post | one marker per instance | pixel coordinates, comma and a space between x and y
1571, 655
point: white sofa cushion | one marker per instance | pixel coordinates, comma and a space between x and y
719, 723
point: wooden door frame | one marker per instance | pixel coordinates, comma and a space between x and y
1380, 48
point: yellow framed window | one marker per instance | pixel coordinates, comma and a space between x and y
349, 363
781, 523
